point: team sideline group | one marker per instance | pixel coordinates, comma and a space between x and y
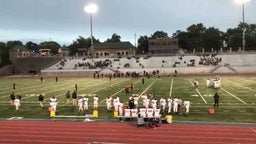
113, 103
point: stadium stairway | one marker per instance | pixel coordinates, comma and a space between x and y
215, 68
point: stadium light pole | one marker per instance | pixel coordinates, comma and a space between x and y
243, 2
91, 9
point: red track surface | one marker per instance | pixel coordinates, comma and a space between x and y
34, 132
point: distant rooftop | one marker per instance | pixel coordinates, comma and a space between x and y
113, 45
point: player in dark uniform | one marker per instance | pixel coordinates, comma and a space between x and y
41, 99
12, 98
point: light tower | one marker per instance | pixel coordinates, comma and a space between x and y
91, 9
243, 2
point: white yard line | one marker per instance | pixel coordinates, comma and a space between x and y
198, 93
249, 80
117, 92
147, 88
171, 87
233, 96
64, 93
243, 86
108, 86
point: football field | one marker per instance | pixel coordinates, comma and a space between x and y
237, 95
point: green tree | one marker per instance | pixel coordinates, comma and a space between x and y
54, 46
12, 44
159, 34
81, 42
235, 36
115, 38
211, 38
32, 46
195, 33
4, 54
183, 38
142, 45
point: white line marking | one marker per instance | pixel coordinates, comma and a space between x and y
171, 87
198, 93
233, 96
243, 86
147, 88
117, 92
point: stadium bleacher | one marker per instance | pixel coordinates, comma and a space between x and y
226, 63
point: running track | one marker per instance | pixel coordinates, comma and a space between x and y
50, 132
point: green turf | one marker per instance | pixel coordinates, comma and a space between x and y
237, 96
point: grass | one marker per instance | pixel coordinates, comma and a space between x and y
237, 96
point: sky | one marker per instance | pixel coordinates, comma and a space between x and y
64, 21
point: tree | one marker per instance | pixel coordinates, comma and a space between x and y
142, 45
183, 40
4, 54
32, 46
211, 38
159, 34
81, 42
12, 44
54, 46
195, 32
235, 36
114, 38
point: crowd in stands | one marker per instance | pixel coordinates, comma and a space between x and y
93, 64
189, 63
209, 59
118, 63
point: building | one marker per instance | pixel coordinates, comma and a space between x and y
114, 49
163, 46
19, 52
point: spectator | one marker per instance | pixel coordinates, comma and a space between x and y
140, 121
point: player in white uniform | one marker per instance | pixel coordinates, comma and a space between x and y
53, 103
116, 103
208, 82
108, 102
163, 103
169, 100
179, 104
147, 102
143, 98
175, 105
80, 104
187, 105
136, 99
95, 102
17, 103
85, 103
120, 108
196, 83
153, 103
